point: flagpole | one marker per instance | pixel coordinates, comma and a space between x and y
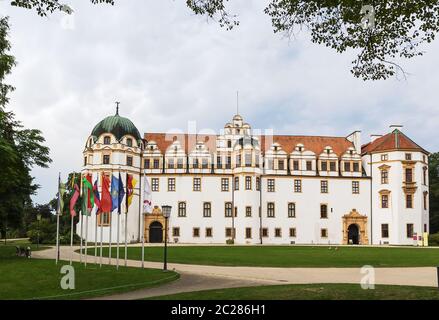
86, 237
57, 220
117, 250
109, 249
143, 219
102, 230
96, 237
80, 244
126, 218
71, 240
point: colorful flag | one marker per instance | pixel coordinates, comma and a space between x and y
106, 196
73, 201
114, 193
147, 204
131, 182
61, 192
87, 195
96, 197
121, 194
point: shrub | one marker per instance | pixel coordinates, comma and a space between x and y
433, 239
230, 241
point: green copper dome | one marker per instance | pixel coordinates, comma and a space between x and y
117, 125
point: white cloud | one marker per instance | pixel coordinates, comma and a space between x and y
168, 67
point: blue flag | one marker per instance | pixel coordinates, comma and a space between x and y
121, 194
114, 193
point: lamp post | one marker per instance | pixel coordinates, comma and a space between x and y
166, 210
38, 232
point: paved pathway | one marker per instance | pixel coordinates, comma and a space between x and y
199, 277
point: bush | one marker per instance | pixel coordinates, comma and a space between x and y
433, 239
47, 233
230, 241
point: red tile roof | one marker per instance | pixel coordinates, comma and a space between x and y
395, 140
314, 143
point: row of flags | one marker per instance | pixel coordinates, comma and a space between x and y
111, 198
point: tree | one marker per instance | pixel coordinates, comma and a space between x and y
434, 192
20, 149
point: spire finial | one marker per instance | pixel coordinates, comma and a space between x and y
237, 102
117, 107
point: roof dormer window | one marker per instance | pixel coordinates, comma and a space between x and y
107, 140
129, 142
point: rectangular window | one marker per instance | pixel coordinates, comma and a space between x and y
248, 211
409, 201
324, 186
205, 163
171, 184
384, 201
171, 163
278, 232
156, 164
291, 210
248, 233
229, 163
197, 184
324, 166
355, 187
292, 232
323, 211
106, 159
356, 166
270, 185
332, 166
208, 232
248, 183
309, 165
104, 219
297, 185
264, 232
224, 184
270, 209
409, 230
85, 161
180, 163
219, 163
228, 232
258, 184
228, 209
155, 184
408, 175
196, 232
424, 176
207, 209
384, 177
384, 157
248, 159
195, 163
408, 156
296, 165
425, 200
238, 160
324, 233
236, 183
176, 232
384, 230
281, 164
182, 209
147, 163
347, 166
107, 140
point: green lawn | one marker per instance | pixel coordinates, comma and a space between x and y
22, 278
311, 292
288, 256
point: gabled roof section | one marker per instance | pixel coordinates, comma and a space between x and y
396, 140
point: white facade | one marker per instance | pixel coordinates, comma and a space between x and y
309, 190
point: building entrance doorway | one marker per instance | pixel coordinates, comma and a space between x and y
353, 234
156, 232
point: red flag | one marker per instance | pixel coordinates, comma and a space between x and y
73, 201
106, 196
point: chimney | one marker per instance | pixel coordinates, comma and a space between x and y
355, 138
373, 137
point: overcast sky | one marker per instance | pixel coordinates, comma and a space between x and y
168, 67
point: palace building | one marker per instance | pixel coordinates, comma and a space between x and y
270, 189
